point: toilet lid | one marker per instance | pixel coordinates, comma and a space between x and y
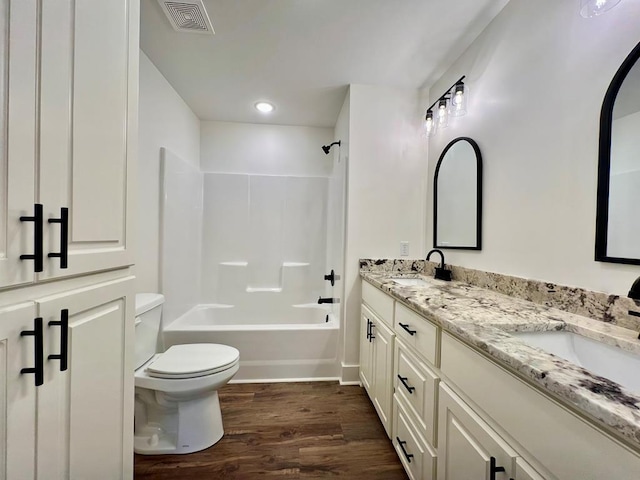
193, 360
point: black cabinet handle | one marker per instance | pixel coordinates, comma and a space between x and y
38, 369
368, 328
405, 326
63, 323
63, 254
408, 456
494, 469
371, 335
37, 255
406, 385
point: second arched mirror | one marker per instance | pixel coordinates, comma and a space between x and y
617, 227
457, 196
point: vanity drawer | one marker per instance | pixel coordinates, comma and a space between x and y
418, 332
379, 302
417, 385
418, 458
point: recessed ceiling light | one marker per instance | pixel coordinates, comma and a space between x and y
264, 107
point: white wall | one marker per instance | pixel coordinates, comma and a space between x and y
387, 168
336, 234
228, 147
538, 75
164, 121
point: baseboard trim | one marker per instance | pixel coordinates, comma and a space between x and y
350, 374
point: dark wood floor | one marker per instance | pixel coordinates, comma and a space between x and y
288, 430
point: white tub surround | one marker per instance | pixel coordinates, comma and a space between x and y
294, 343
483, 319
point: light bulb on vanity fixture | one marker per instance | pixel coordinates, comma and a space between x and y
591, 8
443, 113
459, 100
430, 125
452, 102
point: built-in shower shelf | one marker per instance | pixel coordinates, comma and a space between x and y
234, 264
295, 264
264, 289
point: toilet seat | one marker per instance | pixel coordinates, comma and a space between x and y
193, 360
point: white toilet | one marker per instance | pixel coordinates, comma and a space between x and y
176, 392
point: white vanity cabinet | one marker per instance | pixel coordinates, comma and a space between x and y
415, 453
376, 351
70, 131
547, 434
416, 392
457, 414
468, 447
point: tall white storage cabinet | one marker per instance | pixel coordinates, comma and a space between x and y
68, 91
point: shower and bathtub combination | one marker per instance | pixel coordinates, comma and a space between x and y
244, 261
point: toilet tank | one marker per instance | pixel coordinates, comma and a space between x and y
148, 316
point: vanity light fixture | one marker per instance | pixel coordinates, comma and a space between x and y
264, 107
591, 8
452, 102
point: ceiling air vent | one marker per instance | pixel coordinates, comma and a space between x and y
187, 16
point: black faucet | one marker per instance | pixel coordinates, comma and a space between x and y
441, 272
328, 300
635, 290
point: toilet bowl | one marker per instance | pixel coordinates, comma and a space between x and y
176, 392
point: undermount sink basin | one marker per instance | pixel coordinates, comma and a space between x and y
597, 357
410, 282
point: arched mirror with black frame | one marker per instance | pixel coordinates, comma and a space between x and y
457, 196
617, 219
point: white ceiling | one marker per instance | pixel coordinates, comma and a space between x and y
301, 54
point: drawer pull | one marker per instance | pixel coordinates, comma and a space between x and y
408, 456
494, 469
63, 323
406, 385
63, 254
37, 255
38, 351
406, 327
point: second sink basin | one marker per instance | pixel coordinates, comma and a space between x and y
602, 359
410, 282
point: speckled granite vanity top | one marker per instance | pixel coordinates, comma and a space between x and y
484, 318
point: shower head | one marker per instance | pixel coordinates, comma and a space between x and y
326, 148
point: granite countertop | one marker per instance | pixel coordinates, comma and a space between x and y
484, 318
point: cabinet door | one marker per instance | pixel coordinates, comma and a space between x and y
88, 130
85, 412
18, 41
467, 446
524, 471
17, 393
366, 359
382, 372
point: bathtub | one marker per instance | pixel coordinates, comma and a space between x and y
294, 343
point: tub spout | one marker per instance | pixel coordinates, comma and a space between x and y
328, 300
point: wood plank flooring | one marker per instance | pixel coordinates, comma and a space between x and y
289, 431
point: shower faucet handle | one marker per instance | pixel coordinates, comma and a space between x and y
332, 277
